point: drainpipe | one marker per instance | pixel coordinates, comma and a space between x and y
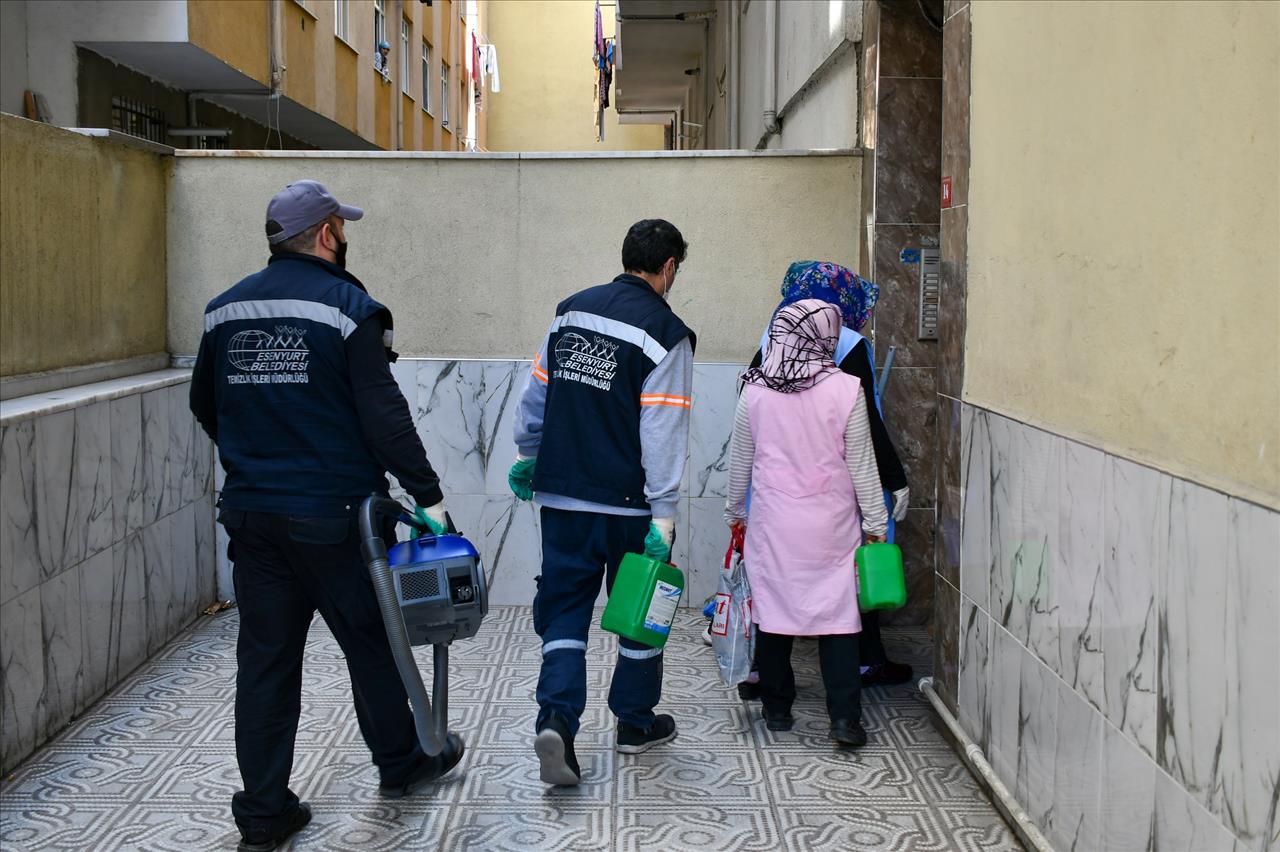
734, 13
973, 757
771, 125
276, 58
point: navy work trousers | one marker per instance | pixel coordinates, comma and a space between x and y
579, 549
286, 569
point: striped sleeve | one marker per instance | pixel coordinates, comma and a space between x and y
859, 455
742, 452
665, 401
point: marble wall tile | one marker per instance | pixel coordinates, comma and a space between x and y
205, 551
976, 489
161, 584
948, 489
58, 508
184, 433
956, 50
1135, 544
156, 449
896, 319
1182, 824
1078, 595
1192, 701
908, 161
1005, 689
909, 47
127, 498
946, 641
1037, 738
94, 477
915, 536
21, 677
450, 416
99, 598
62, 640
952, 300
1075, 819
504, 383
708, 539
19, 540
1250, 777
511, 544
183, 566
715, 397
1128, 791
129, 608
974, 673
911, 415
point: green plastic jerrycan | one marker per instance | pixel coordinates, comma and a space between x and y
881, 583
643, 601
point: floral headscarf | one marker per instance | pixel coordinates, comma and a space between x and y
802, 346
853, 295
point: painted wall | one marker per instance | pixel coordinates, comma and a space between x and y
484, 281
13, 56
83, 252
54, 27
544, 55
1124, 271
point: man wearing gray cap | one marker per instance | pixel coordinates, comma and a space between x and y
293, 383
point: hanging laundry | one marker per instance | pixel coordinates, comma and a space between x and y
477, 84
489, 67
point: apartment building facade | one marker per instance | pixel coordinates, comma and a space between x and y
250, 73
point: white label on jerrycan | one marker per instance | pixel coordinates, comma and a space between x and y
662, 608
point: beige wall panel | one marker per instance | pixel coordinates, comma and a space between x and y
1124, 279
544, 59
83, 252
483, 281
300, 76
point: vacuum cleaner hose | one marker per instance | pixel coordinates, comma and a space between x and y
431, 733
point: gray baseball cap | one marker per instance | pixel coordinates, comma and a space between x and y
299, 206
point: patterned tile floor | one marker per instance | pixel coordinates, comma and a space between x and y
152, 766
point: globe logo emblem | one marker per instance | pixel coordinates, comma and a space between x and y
572, 344
244, 346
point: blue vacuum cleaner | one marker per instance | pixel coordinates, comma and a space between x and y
431, 591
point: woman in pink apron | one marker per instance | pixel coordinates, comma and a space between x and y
801, 441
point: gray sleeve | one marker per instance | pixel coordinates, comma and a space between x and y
533, 405
665, 401
860, 457
742, 454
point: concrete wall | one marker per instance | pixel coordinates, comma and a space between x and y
544, 53
1124, 278
83, 251
484, 281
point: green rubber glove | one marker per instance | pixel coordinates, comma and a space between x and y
521, 477
432, 517
657, 544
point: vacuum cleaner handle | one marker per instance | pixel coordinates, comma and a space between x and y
431, 726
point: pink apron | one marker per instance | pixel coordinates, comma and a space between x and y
804, 523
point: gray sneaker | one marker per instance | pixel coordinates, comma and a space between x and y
633, 740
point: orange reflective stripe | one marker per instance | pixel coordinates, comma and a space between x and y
538, 372
663, 399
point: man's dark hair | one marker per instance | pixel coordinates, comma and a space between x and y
649, 243
300, 243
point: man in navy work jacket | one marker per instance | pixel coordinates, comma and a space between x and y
293, 383
602, 431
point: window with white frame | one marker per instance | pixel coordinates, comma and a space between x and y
404, 56
342, 19
444, 94
379, 23
426, 76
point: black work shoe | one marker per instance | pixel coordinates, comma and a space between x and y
779, 720
748, 691
848, 734
887, 674
263, 841
431, 769
554, 747
633, 740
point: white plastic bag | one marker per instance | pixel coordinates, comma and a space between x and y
733, 635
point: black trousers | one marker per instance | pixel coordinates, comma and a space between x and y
285, 570
838, 656
870, 645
